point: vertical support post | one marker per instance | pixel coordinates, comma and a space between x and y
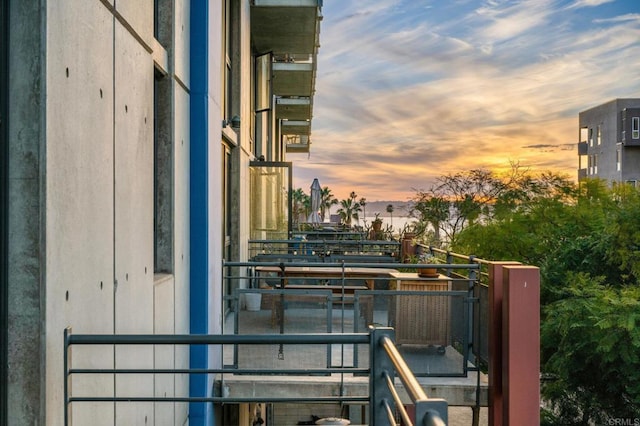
496, 272
521, 345
432, 412
379, 363
67, 377
4, 211
471, 319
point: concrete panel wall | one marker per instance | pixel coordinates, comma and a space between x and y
100, 208
133, 109
138, 14
181, 238
163, 300
81, 188
79, 196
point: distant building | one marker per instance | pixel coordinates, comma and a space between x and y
609, 144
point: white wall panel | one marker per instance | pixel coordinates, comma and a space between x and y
181, 238
79, 198
182, 40
164, 412
133, 217
139, 15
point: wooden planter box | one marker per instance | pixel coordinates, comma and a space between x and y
423, 320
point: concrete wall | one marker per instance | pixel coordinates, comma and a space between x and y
25, 334
82, 205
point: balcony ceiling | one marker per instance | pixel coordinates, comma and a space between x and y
293, 79
296, 127
285, 26
293, 108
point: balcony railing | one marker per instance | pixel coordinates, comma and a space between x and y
326, 248
386, 364
437, 321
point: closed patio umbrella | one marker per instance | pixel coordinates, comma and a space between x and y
316, 199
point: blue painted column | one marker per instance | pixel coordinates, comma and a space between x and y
199, 413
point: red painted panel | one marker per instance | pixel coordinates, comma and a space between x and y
521, 345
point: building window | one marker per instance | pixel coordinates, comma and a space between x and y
227, 40
590, 137
162, 150
635, 128
599, 134
618, 160
226, 170
595, 164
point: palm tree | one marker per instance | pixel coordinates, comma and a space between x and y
363, 203
349, 210
301, 203
326, 201
390, 211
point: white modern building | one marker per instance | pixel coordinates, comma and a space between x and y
134, 138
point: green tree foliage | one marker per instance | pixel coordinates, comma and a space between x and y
326, 201
301, 205
586, 241
349, 209
593, 363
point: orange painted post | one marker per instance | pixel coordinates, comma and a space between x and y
521, 345
495, 342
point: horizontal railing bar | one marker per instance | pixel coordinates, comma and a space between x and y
210, 339
253, 371
368, 265
318, 399
325, 240
447, 293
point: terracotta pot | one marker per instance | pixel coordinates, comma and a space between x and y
428, 272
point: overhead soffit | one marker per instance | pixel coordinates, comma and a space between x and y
295, 127
285, 26
289, 79
289, 29
293, 109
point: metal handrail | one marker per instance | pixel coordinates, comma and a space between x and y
428, 411
425, 408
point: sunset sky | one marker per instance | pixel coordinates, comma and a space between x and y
408, 90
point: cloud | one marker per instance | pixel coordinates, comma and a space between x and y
406, 94
589, 3
622, 18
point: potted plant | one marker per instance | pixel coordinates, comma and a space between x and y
375, 231
427, 258
377, 223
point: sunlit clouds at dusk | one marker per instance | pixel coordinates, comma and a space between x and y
408, 90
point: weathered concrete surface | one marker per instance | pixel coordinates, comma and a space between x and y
25, 336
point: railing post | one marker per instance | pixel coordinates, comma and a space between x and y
471, 318
379, 362
432, 412
521, 345
496, 271
67, 377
